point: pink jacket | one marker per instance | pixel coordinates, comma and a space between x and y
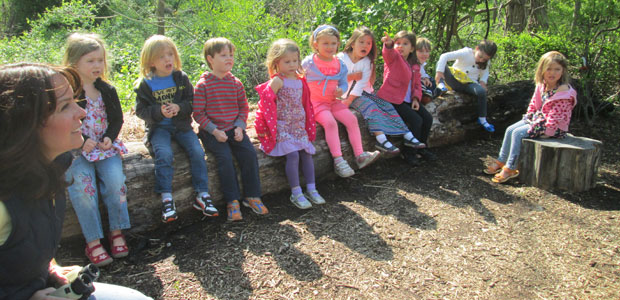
397, 74
266, 120
557, 109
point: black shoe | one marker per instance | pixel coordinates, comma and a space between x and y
411, 159
205, 205
427, 155
168, 211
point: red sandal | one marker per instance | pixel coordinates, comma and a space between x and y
100, 260
118, 251
492, 165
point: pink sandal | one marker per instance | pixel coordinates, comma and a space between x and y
118, 251
100, 260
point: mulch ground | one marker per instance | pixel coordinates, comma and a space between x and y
439, 231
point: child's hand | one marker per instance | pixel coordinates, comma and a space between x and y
387, 40
483, 85
89, 145
354, 76
426, 81
165, 110
415, 104
349, 100
238, 134
106, 144
174, 108
338, 93
220, 135
276, 84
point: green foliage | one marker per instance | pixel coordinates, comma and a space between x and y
253, 25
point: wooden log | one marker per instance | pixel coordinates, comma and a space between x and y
454, 118
568, 164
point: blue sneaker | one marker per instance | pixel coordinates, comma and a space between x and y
487, 126
441, 86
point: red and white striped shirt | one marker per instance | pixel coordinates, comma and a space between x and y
220, 103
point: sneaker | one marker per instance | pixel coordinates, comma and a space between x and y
411, 159
168, 211
205, 205
300, 201
487, 126
414, 145
234, 211
442, 87
427, 154
256, 205
366, 158
388, 150
314, 197
343, 169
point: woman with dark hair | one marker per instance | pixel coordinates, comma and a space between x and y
39, 123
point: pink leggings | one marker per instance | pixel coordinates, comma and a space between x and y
327, 118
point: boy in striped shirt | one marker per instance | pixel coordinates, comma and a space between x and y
221, 109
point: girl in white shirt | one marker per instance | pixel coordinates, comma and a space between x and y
358, 55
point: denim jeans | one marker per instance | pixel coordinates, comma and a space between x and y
473, 88
104, 291
160, 139
511, 146
245, 154
108, 175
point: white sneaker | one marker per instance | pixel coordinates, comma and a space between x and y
314, 197
343, 169
300, 201
366, 158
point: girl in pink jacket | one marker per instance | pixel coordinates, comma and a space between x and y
548, 115
285, 122
402, 87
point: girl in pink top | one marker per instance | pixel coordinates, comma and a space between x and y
327, 80
285, 120
548, 115
403, 88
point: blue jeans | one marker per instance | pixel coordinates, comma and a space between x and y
164, 157
104, 291
245, 154
473, 88
108, 175
511, 146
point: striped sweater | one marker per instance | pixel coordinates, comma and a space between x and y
220, 103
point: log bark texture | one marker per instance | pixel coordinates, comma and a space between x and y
568, 164
454, 121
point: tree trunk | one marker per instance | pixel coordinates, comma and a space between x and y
454, 117
538, 15
569, 164
161, 29
516, 16
576, 15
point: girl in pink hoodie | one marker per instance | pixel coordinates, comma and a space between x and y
403, 88
548, 115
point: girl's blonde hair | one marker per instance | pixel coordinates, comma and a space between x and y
544, 63
423, 43
80, 44
275, 53
412, 59
323, 30
151, 49
372, 54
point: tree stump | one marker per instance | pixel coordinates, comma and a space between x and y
568, 164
